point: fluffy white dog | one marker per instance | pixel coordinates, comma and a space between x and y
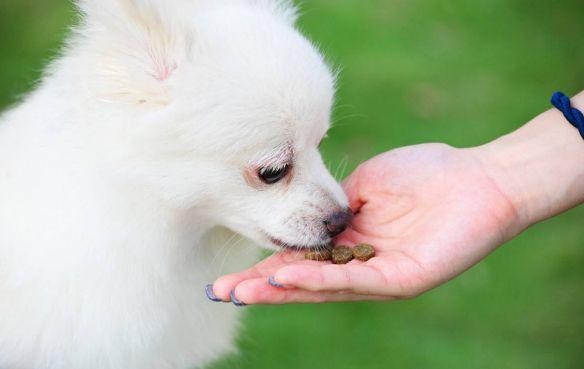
164, 128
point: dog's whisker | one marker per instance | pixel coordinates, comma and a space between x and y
222, 248
340, 173
341, 166
231, 248
338, 119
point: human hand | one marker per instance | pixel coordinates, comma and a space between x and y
431, 211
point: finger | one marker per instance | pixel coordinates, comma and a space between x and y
223, 286
357, 278
259, 291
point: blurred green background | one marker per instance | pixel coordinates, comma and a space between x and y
460, 72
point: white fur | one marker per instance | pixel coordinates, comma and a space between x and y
124, 176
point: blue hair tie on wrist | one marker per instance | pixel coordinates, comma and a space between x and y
573, 115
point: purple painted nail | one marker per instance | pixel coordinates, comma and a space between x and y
235, 301
272, 282
210, 294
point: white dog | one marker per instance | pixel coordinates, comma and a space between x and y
164, 126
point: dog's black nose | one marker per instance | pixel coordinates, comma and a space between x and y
337, 222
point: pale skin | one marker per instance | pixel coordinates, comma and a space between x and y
432, 212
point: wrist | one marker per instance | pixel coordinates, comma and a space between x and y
538, 168
512, 173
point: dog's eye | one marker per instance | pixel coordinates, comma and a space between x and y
273, 175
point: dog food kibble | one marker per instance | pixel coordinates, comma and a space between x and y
363, 252
342, 255
320, 255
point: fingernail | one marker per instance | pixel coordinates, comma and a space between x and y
210, 294
235, 301
272, 282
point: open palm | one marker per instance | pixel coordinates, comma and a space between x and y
431, 212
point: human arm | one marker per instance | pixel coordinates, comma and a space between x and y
432, 211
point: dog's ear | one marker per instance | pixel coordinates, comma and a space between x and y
137, 46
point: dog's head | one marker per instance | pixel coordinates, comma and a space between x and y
231, 104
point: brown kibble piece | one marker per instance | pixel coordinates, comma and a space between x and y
320, 255
342, 255
363, 252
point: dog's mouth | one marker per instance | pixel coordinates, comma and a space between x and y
286, 246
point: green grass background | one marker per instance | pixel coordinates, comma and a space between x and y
460, 72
